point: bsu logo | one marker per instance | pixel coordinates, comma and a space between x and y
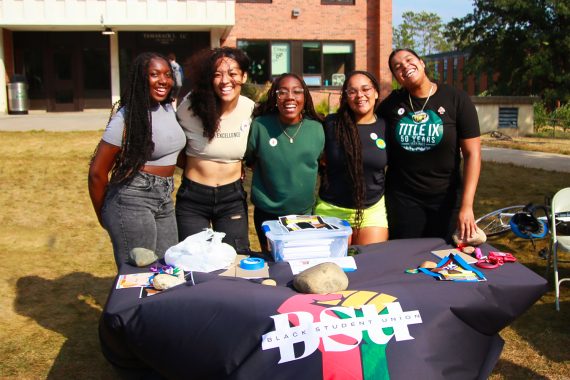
350, 328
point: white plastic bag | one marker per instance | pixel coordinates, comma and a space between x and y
201, 252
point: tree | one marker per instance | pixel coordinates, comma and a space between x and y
422, 32
527, 42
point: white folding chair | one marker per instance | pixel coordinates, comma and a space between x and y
560, 203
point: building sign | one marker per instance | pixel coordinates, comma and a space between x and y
167, 38
279, 58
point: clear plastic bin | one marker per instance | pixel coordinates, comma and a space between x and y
291, 245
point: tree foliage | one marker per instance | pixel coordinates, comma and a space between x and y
527, 42
422, 32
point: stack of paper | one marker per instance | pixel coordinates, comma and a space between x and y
347, 263
303, 248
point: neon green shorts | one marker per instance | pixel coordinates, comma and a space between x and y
373, 216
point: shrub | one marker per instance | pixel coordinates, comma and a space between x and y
323, 107
562, 116
540, 116
256, 92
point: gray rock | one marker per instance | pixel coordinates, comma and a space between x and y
142, 257
477, 239
166, 281
321, 279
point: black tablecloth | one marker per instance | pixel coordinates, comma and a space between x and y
213, 329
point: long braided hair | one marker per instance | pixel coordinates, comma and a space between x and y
137, 146
204, 102
269, 106
347, 136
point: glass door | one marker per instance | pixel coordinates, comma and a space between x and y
64, 71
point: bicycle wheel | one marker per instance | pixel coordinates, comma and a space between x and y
497, 222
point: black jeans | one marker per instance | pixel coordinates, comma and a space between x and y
260, 216
224, 208
417, 216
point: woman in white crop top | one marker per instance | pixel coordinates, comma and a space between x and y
216, 121
139, 149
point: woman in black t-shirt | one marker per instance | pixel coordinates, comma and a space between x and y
352, 186
430, 126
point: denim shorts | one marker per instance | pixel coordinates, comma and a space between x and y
140, 213
223, 208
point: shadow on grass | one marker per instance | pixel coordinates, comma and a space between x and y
511, 370
71, 306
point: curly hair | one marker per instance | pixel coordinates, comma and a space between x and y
269, 106
347, 136
137, 145
204, 102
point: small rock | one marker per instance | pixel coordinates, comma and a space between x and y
321, 279
166, 281
477, 239
468, 249
141, 257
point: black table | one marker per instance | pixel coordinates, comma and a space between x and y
429, 329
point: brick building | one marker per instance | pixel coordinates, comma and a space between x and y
449, 68
74, 54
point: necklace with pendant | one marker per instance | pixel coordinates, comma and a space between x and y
291, 138
420, 116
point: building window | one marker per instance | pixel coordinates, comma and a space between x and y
312, 68
508, 117
318, 63
445, 71
455, 73
268, 59
436, 71
259, 54
337, 2
338, 60
477, 83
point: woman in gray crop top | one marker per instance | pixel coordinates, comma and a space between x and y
139, 149
216, 120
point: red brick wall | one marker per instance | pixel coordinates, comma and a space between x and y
367, 23
8, 54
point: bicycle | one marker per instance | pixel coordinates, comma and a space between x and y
498, 222
522, 221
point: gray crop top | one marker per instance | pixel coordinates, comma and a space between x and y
168, 137
230, 141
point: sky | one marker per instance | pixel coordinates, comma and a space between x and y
446, 9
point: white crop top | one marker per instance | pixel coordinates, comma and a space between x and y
167, 135
230, 141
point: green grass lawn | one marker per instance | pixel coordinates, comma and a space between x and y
58, 264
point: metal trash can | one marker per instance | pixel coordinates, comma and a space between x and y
17, 95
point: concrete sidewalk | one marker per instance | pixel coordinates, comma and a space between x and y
89, 120
92, 120
528, 159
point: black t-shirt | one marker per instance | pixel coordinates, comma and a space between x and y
339, 188
423, 149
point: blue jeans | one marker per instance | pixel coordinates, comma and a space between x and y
224, 208
140, 214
